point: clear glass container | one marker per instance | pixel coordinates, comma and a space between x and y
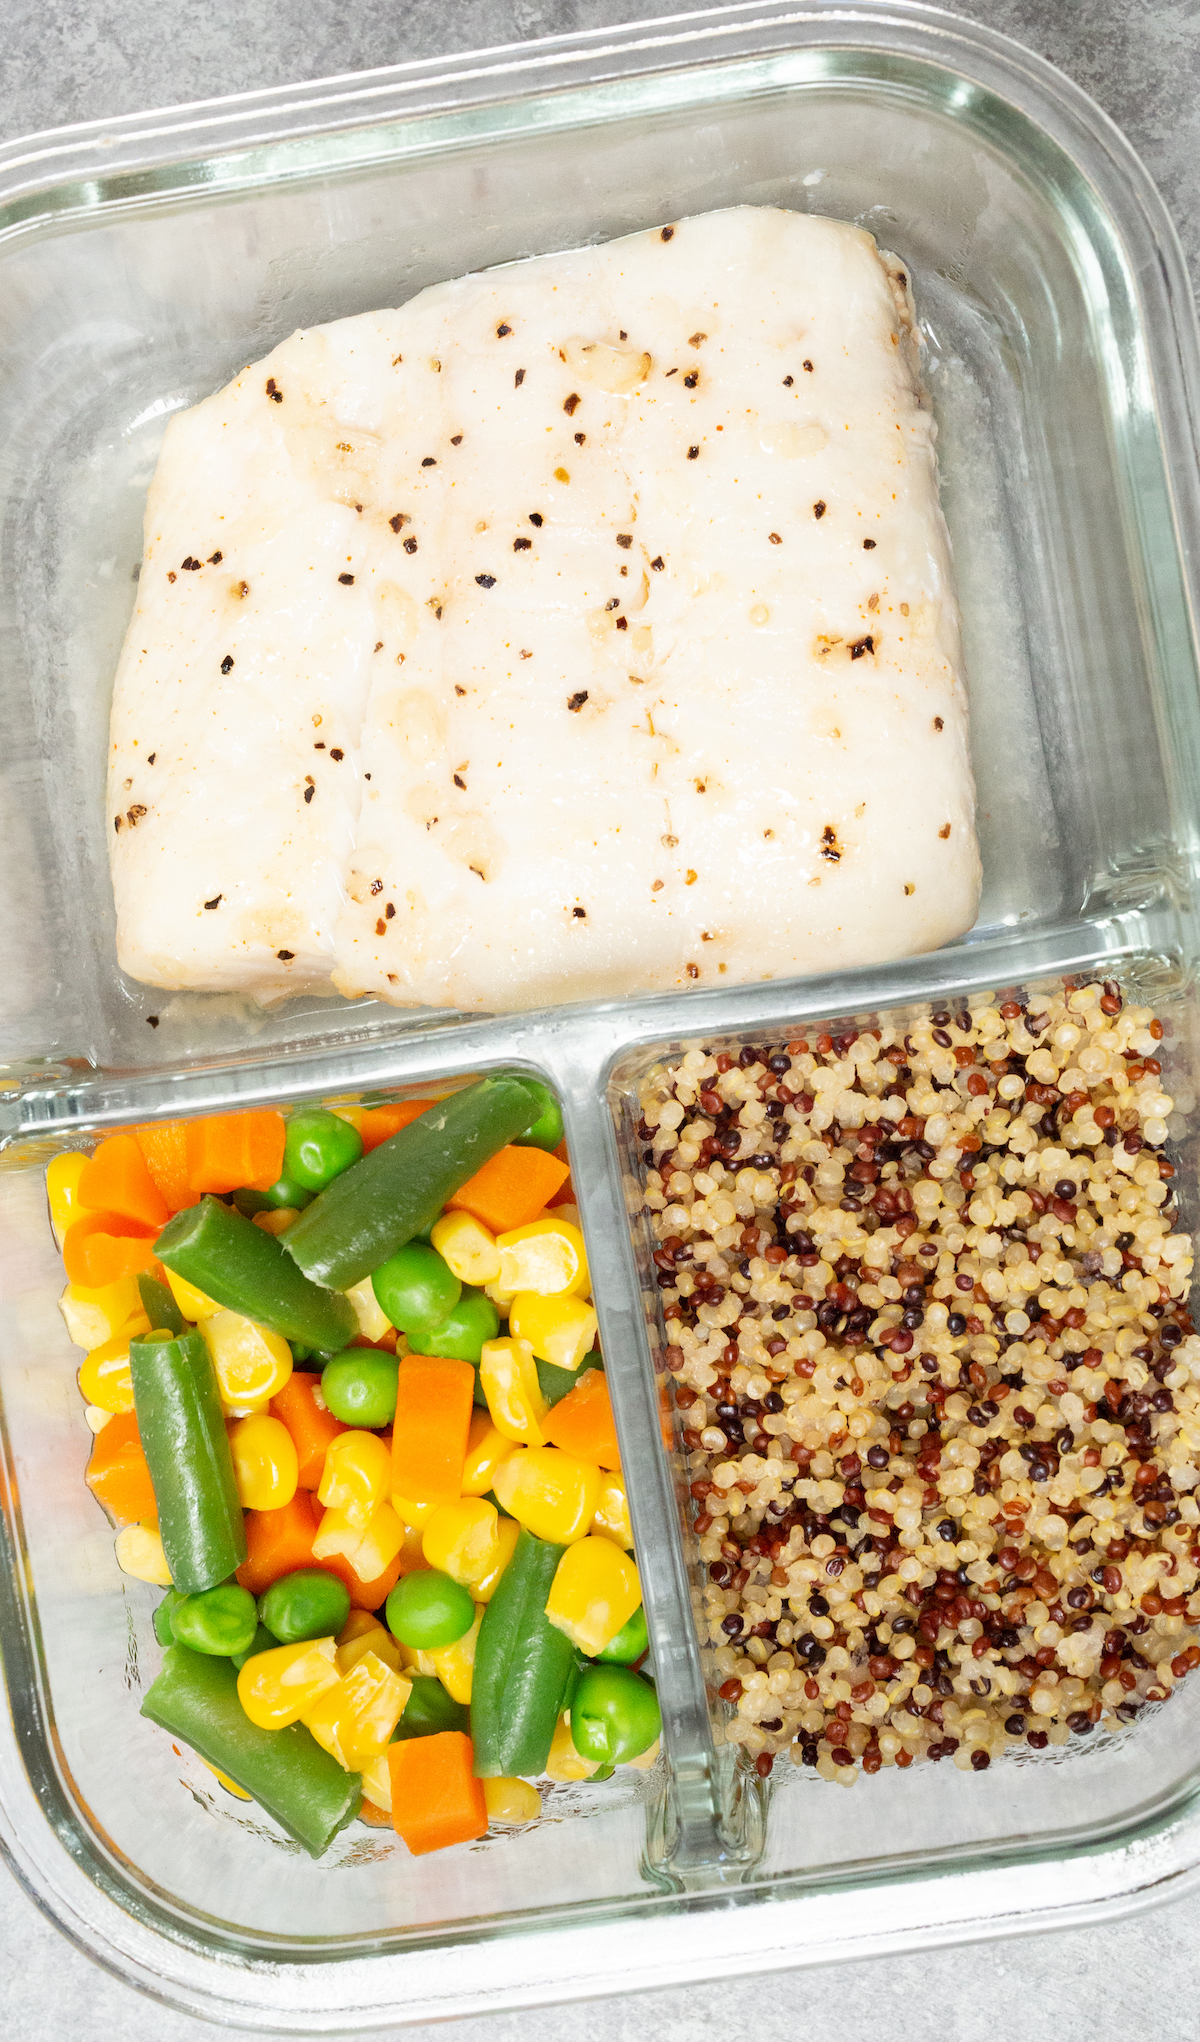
141, 263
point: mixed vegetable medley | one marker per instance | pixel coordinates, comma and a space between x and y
349, 1413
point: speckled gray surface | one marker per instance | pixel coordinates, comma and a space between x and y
1141, 59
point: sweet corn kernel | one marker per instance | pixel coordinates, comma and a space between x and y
612, 1511
93, 1316
373, 1321
62, 1190
462, 1539
553, 1494
105, 1377
412, 1510
512, 1801
546, 1256
96, 1419
354, 1720
378, 1641
356, 1475
454, 1664
467, 1247
275, 1688
357, 1625
193, 1303
486, 1448
377, 1783
594, 1593
264, 1462
370, 1548
223, 1780
508, 1532
252, 1363
564, 1762
559, 1329
139, 1552
277, 1222
509, 1376
645, 1759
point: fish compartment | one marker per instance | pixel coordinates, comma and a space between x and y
128, 295
144, 262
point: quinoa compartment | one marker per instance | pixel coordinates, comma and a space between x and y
924, 1294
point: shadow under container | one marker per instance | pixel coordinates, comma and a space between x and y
142, 263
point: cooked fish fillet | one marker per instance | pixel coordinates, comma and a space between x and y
651, 654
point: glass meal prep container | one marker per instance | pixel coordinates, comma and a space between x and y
142, 262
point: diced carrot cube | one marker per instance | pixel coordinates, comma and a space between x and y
436, 1799
511, 1188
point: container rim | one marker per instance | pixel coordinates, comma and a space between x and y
46, 178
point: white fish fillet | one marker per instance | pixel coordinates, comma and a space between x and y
649, 672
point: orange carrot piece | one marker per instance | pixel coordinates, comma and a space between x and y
363, 1594
232, 1151
436, 1799
434, 1400
117, 1474
582, 1422
511, 1188
163, 1143
379, 1123
101, 1247
116, 1179
311, 1427
278, 1541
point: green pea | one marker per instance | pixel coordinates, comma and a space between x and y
262, 1641
218, 1621
307, 1604
557, 1382
630, 1642
318, 1147
359, 1387
614, 1715
162, 1617
288, 1192
547, 1129
427, 1610
429, 1709
415, 1287
462, 1332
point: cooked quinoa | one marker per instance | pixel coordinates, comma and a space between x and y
925, 1312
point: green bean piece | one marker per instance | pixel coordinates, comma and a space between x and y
429, 1710
522, 1667
182, 1428
556, 1383
221, 1621
307, 1792
368, 1213
230, 1259
160, 1307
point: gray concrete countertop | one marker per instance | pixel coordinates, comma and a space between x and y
1141, 59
